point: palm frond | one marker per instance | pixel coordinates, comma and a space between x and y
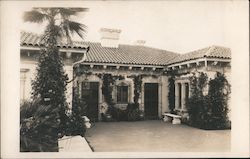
63, 15
66, 32
74, 27
67, 12
78, 28
34, 16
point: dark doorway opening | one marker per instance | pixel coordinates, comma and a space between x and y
151, 100
90, 95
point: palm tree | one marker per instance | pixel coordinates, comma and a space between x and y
49, 85
59, 23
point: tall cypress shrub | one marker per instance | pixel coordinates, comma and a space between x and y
218, 96
196, 103
49, 84
209, 111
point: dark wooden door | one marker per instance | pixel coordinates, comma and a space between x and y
90, 95
151, 100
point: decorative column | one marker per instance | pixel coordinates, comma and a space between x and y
142, 97
189, 90
114, 92
160, 99
177, 94
183, 96
130, 92
100, 100
22, 85
68, 60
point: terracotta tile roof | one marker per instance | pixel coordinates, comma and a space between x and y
124, 54
128, 54
210, 52
131, 54
31, 39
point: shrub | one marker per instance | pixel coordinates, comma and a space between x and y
119, 115
74, 125
74, 122
209, 111
107, 117
197, 109
38, 129
218, 96
196, 103
79, 105
133, 112
28, 109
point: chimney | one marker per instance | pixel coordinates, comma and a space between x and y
140, 42
110, 37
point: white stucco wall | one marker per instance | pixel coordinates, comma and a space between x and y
28, 72
25, 84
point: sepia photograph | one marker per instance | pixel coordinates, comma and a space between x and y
130, 77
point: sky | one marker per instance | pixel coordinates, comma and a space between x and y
178, 26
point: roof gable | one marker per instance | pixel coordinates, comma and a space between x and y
209, 52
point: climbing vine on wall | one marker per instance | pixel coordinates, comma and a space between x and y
171, 93
198, 83
107, 87
137, 88
171, 88
80, 70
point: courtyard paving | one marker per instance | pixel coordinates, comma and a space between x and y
155, 136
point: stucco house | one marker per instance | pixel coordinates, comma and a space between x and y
127, 61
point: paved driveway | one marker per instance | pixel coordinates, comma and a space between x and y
154, 136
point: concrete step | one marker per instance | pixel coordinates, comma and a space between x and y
73, 144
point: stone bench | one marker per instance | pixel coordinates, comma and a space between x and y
176, 119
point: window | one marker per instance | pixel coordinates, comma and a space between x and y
122, 94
